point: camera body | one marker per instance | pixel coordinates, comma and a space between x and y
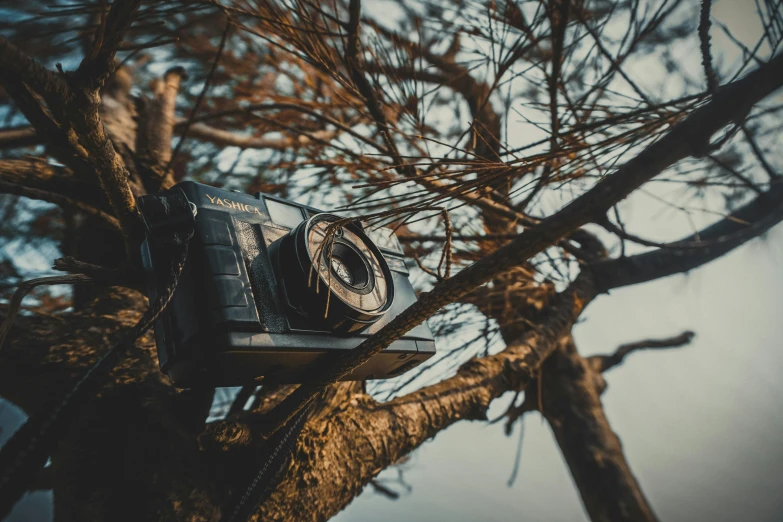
272, 288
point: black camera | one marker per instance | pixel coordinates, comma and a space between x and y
271, 287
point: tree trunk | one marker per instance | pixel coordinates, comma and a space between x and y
571, 403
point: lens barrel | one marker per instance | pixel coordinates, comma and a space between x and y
350, 272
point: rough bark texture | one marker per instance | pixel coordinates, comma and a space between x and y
38, 174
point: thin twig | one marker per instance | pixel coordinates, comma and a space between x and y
201, 95
704, 40
25, 288
602, 363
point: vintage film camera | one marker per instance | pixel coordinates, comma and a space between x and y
250, 304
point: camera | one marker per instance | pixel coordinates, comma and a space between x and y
271, 288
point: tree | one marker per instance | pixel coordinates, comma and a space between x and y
498, 138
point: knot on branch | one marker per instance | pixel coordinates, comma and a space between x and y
518, 372
477, 367
227, 436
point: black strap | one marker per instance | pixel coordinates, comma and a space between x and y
168, 216
26, 452
280, 447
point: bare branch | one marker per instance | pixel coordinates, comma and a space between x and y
739, 227
37, 173
123, 276
86, 136
383, 490
33, 108
759, 154
420, 415
227, 138
458, 78
455, 237
731, 170
98, 64
14, 63
161, 118
25, 288
23, 136
571, 395
622, 234
704, 40
53, 197
602, 363
515, 412
113, 176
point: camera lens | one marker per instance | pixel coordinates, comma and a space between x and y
350, 266
321, 261
362, 284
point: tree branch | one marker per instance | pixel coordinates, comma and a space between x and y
123, 276
22, 136
77, 105
486, 121
742, 225
704, 46
82, 111
602, 363
112, 174
383, 490
98, 64
455, 237
17, 64
25, 288
222, 137
161, 118
32, 107
64, 201
37, 173
771, 173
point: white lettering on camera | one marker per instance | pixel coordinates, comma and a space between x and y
233, 205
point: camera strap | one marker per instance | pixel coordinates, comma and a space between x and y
279, 448
169, 218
